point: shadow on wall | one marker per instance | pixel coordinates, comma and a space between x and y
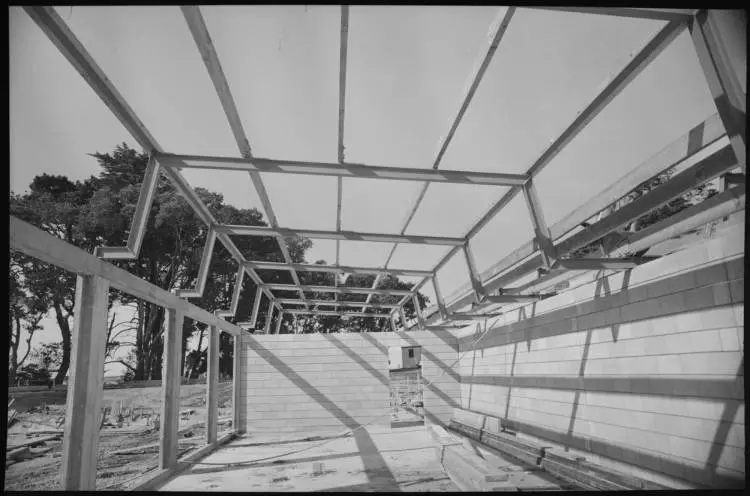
577, 318
376, 469
425, 353
375, 466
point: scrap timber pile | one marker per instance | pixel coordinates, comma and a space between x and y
128, 436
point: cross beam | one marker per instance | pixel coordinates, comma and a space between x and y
340, 269
333, 169
237, 230
340, 314
330, 289
285, 301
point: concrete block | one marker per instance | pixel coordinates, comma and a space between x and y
735, 268
729, 339
711, 274
721, 363
737, 290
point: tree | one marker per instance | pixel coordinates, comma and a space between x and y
53, 204
617, 238
24, 314
98, 211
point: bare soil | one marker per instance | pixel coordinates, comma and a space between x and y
113, 471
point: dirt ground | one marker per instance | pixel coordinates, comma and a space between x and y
115, 472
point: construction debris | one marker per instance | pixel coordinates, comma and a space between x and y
18, 454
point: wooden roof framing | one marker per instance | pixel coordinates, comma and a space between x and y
715, 62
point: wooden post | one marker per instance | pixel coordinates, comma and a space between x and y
392, 318
170, 389
269, 316
256, 306
418, 311
403, 317
212, 385
471, 264
439, 298
541, 231
720, 39
238, 413
85, 390
278, 322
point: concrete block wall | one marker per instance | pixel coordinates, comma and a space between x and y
335, 382
642, 370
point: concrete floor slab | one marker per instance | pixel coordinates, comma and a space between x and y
376, 458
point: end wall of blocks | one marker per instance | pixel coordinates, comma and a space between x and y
333, 382
644, 367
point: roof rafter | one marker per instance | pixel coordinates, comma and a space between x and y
274, 166
202, 39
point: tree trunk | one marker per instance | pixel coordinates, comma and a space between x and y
62, 322
14, 350
140, 361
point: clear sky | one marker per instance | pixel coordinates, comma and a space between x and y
407, 68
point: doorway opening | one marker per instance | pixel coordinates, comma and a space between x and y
406, 386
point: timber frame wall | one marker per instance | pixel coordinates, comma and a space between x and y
719, 38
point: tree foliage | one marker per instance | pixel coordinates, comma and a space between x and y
617, 238
98, 212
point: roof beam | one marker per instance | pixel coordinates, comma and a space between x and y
344, 44
601, 263
685, 147
138, 225
720, 40
340, 290
541, 231
496, 33
50, 249
341, 269
512, 298
470, 316
339, 314
202, 39
712, 166
638, 13
340, 170
716, 207
64, 39
374, 286
640, 61
200, 283
335, 303
237, 230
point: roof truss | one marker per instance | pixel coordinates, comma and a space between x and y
720, 71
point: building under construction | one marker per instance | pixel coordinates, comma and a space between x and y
621, 369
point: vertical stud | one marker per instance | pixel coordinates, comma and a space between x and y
418, 311
256, 306
212, 385
403, 317
439, 297
170, 389
85, 391
541, 231
278, 322
476, 284
238, 414
269, 317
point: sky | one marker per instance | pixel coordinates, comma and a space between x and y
407, 68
